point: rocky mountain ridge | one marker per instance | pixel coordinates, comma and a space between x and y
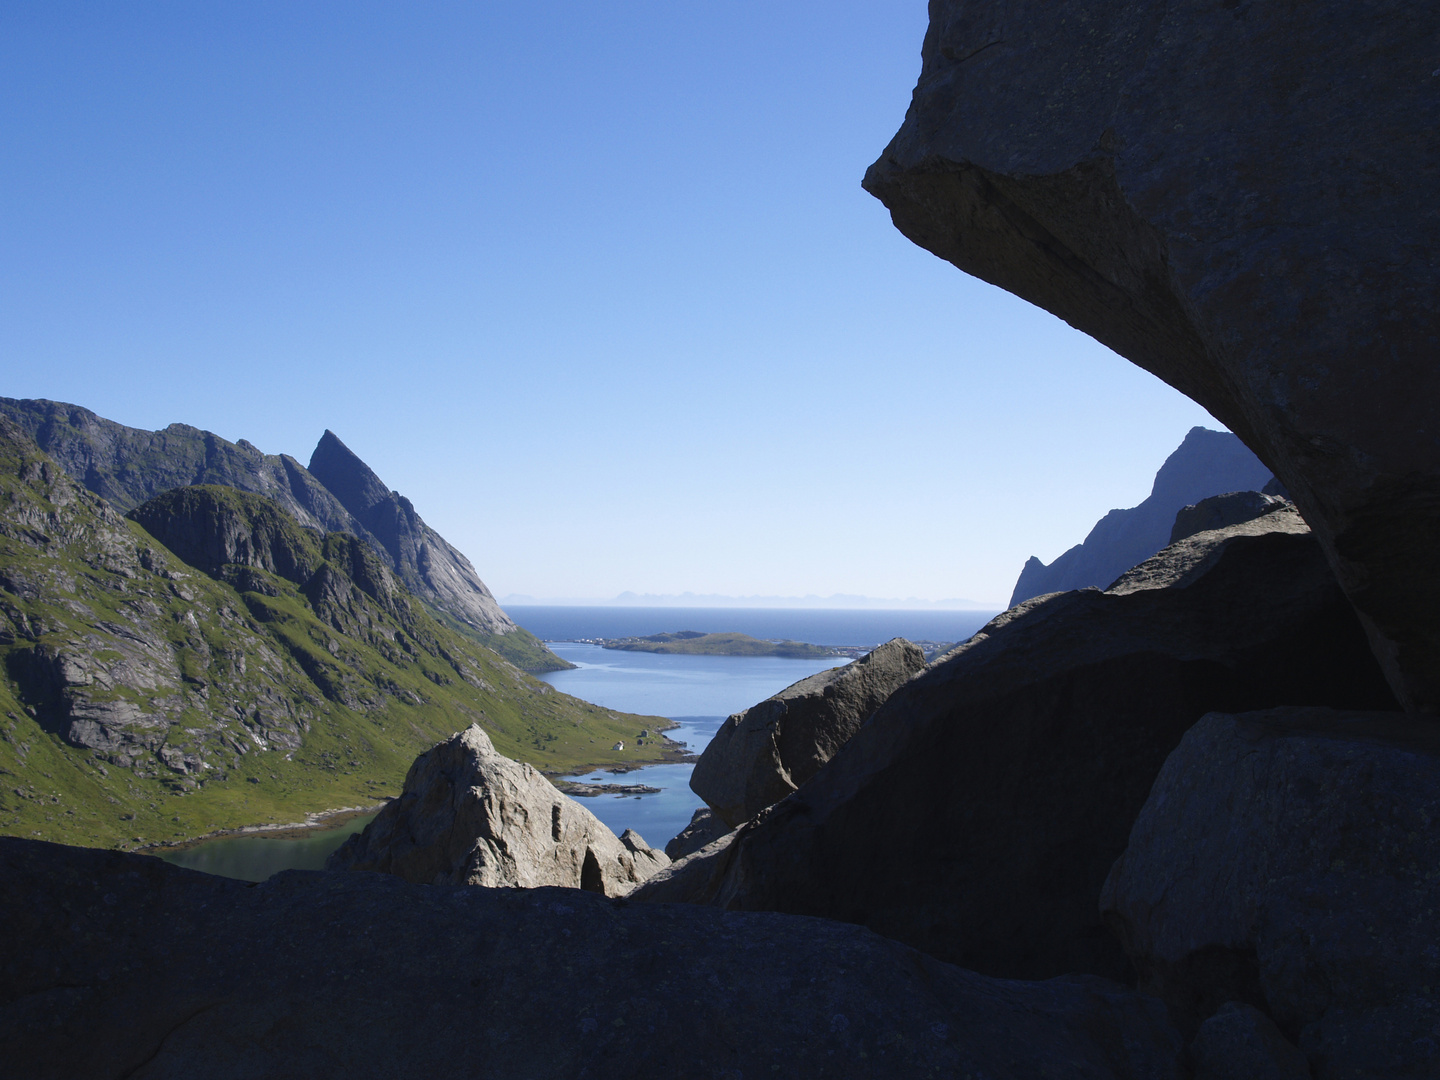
257, 671
127, 466
1206, 463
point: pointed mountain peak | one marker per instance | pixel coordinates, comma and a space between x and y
347, 477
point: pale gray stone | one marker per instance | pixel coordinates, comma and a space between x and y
468, 815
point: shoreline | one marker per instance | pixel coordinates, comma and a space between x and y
319, 821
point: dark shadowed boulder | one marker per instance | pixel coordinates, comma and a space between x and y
762, 754
1207, 463
1238, 197
1241, 1043
115, 965
705, 827
1288, 859
471, 816
977, 813
1223, 511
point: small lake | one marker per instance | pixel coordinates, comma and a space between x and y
255, 856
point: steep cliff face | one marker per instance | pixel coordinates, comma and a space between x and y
1207, 463
128, 466
1238, 197
256, 670
430, 566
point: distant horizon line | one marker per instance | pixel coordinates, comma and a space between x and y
841, 601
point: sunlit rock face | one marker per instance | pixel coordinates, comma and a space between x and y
1238, 197
471, 816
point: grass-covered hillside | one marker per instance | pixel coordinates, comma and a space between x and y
694, 643
211, 663
129, 466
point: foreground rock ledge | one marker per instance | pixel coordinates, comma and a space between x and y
118, 965
1238, 197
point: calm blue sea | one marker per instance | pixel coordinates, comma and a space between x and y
817, 626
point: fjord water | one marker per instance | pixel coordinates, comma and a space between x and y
696, 691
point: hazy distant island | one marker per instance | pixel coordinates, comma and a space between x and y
694, 643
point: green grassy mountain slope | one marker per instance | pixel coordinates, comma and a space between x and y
128, 466
258, 671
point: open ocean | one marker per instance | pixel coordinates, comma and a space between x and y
818, 626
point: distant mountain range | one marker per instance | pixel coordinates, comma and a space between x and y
842, 601
1206, 463
338, 493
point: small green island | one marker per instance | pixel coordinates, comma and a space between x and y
694, 643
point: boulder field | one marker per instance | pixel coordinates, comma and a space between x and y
1196, 779
977, 813
1239, 198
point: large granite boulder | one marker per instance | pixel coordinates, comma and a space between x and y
115, 965
471, 816
977, 813
1238, 197
1290, 859
705, 827
1241, 1043
762, 754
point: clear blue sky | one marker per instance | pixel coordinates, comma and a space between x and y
594, 284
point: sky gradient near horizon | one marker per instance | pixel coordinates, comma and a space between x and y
595, 286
